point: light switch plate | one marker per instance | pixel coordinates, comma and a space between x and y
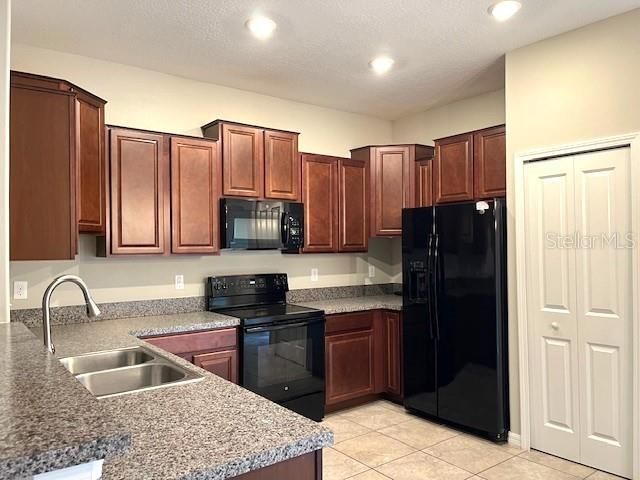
20, 290
372, 271
179, 282
314, 274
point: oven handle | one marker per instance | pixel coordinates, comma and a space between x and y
275, 327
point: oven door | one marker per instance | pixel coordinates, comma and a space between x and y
284, 362
252, 225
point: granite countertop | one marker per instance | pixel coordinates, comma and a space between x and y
210, 429
48, 421
356, 304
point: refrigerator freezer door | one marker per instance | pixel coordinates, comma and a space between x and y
419, 347
471, 352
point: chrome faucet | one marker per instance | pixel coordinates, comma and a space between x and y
92, 308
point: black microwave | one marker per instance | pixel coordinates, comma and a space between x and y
261, 225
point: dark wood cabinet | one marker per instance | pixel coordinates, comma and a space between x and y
213, 350
257, 162
320, 197
424, 183
194, 196
304, 467
56, 167
281, 165
392, 183
223, 363
353, 203
350, 361
393, 351
489, 162
140, 194
453, 169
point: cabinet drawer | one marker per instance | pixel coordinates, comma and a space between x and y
345, 322
197, 342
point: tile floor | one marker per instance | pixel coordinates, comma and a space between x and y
380, 441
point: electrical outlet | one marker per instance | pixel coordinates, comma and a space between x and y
20, 290
372, 271
179, 282
314, 274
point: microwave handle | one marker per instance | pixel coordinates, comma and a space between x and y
285, 228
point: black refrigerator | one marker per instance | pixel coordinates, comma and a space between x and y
455, 315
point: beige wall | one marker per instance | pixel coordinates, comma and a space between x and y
5, 35
151, 100
462, 116
577, 86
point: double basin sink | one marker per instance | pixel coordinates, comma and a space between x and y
126, 370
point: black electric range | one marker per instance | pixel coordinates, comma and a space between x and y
282, 345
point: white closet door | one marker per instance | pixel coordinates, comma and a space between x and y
551, 302
604, 309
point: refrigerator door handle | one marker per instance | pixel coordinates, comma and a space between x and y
436, 275
430, 286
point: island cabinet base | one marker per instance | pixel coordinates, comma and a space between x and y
304, 467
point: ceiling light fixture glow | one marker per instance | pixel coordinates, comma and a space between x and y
261, 27
504, 10
381, 65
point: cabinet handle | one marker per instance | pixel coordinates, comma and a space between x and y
555, 325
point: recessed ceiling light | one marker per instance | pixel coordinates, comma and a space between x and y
381, 65
261, 27
504, 10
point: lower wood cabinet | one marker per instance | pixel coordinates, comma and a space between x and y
214, 350
363, 355
304, 467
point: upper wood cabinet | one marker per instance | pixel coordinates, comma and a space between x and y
320, 197
56, 167
424, 183
256, 162
470, 166
392, 183
336, 203
281, 165
489, 162
453, 169
194, 196
164, 193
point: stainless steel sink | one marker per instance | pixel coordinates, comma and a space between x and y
127, 370
108, 360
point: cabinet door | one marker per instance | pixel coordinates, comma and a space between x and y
320, 197
139, 164
391, 189
242, 160
224, 364
281, 165
194, 196
424, 183
393, 335
42, 174
490, 163
91, 164
353, 205
453, 169
349, 366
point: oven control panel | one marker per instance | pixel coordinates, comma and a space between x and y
231, 285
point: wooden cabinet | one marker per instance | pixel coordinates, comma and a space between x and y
304, 467
164, 194
353, 217
213, 350
393, 350
257, 162
489, 162
139, 173
224, 364
470, 166
56, 167
392, 185
453, 169
320, 197
194, 196
424, 183
281, 165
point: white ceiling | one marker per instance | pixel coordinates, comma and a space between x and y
444, 49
